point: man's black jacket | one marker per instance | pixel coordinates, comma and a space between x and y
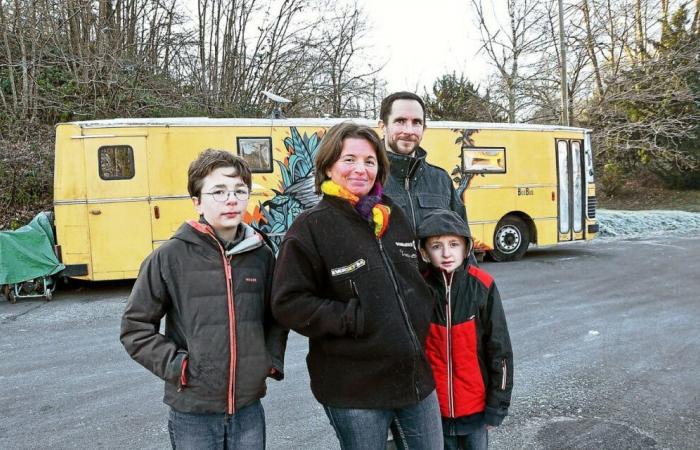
419, 187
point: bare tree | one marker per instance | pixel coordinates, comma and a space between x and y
647, 113
544, 88
346, 79
633, 76
508, 47
244, 47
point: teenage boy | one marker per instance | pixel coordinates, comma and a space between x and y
211, 281
468, 344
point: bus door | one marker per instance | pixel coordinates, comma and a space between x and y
117, 201
571, 189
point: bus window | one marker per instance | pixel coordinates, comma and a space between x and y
257, 152
588, 150
563, 165
116, 162
484, 160
578, 185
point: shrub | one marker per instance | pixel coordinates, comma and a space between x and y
612, 180
26, 172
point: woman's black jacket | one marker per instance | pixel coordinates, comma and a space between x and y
362, 303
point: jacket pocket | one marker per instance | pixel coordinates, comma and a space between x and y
432, 201
183, 375
355, 318
504, 375
173, 371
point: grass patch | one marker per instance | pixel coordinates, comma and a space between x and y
637, 195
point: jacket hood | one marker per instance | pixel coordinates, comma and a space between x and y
441, 222
251, 240
202, 234
404, 166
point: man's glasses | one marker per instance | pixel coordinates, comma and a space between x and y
222, 195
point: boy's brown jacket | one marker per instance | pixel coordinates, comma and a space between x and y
220, 340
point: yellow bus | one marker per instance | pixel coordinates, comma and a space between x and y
120, 185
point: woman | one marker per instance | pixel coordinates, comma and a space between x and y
347, 278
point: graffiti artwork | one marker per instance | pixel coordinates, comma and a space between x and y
296, 192
459, 176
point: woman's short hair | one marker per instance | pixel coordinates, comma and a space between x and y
332, 146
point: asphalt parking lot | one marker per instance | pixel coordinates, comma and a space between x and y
605, 336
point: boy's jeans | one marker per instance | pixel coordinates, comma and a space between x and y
478, 440
243, 430
366, 429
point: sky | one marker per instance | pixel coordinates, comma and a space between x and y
424, 39
419, 40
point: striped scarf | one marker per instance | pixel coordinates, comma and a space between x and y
368, 207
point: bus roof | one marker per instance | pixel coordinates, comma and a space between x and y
300, 122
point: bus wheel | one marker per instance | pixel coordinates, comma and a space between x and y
511, 239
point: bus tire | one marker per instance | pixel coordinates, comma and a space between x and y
510, 240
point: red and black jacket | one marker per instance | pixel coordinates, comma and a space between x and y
468, 345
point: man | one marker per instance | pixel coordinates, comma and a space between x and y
418, 187
413, 184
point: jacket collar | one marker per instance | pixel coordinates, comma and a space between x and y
346, 208
460, 273
250, 240
403, 166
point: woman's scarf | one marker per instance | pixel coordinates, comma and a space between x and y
368, 207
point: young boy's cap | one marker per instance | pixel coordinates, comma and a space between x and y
441, 222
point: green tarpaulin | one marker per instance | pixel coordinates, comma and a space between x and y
27, 252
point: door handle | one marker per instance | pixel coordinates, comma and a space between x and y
95, 212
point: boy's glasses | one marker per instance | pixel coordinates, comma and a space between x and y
222, 195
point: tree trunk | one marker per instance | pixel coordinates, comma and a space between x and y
34, 58
639, 32
590, 46
25, 62
10, 62
202, 17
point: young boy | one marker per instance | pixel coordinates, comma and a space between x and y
468, 344
211, 281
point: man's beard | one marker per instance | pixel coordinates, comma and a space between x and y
392, 147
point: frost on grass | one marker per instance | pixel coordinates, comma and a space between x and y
615, 223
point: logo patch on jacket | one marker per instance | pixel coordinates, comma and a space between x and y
407, 245
349, 268
251, 279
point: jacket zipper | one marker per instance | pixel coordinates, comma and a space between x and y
448, 320
404, 312
232, 339
504, 376
230, 400
407, 186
